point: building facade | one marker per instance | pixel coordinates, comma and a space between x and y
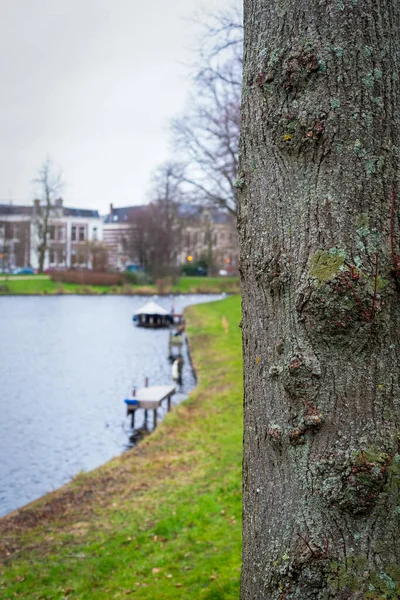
120, 225
206, 235
210, 237
73, 238
15, 236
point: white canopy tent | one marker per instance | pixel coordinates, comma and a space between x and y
152, 308
153, 315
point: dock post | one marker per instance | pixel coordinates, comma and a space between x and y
133, 412
146, 384
155, 419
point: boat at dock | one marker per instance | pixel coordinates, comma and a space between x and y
153, 315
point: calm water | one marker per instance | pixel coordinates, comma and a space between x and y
66, 365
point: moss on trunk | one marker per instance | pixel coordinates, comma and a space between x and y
319, 239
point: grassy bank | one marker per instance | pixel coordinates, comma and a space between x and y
186, 285
162, 520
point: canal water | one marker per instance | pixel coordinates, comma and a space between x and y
66, 365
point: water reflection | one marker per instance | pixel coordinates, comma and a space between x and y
67, 363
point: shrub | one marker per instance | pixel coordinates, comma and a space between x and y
137, 278
86, 277
164, 286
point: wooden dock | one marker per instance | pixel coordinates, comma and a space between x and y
175, 342
149, 398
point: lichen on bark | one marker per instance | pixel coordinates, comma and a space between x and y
321, 300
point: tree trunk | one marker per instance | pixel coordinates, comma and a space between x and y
320, 264
42, 223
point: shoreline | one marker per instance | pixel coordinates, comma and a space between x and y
133, 520
44, 286
142, 436
135, 293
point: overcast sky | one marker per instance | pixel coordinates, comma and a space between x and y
91, 84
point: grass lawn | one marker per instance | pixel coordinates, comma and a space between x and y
192, 285
186, 285
164, 519
27, 286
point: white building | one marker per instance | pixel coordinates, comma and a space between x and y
73, 236
72, 233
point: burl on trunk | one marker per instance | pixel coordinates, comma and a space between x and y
320, 245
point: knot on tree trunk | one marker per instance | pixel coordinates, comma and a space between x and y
354, 485
340, 302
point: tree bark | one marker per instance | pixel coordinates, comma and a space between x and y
320, 271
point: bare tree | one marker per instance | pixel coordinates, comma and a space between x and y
220, 44
155, 229
137, 240
207, 135
49, 185
4, 247
96, 254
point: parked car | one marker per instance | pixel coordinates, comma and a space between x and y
23, 271
133, 268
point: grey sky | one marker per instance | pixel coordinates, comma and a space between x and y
91, 84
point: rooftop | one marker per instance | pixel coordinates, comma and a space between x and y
127, 214
18, 209
123, 215
15, 209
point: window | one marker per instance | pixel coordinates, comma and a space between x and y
16, 232
52, 233
52, 257
60, 233
81, 233
73, 233
61, 257
94, 234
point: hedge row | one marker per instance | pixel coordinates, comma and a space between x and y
86, 277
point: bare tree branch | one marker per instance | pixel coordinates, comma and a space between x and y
155, 229
49, 184
206, 136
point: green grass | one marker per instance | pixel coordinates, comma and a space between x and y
162, 520
186, 285
28, 286
189, 285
